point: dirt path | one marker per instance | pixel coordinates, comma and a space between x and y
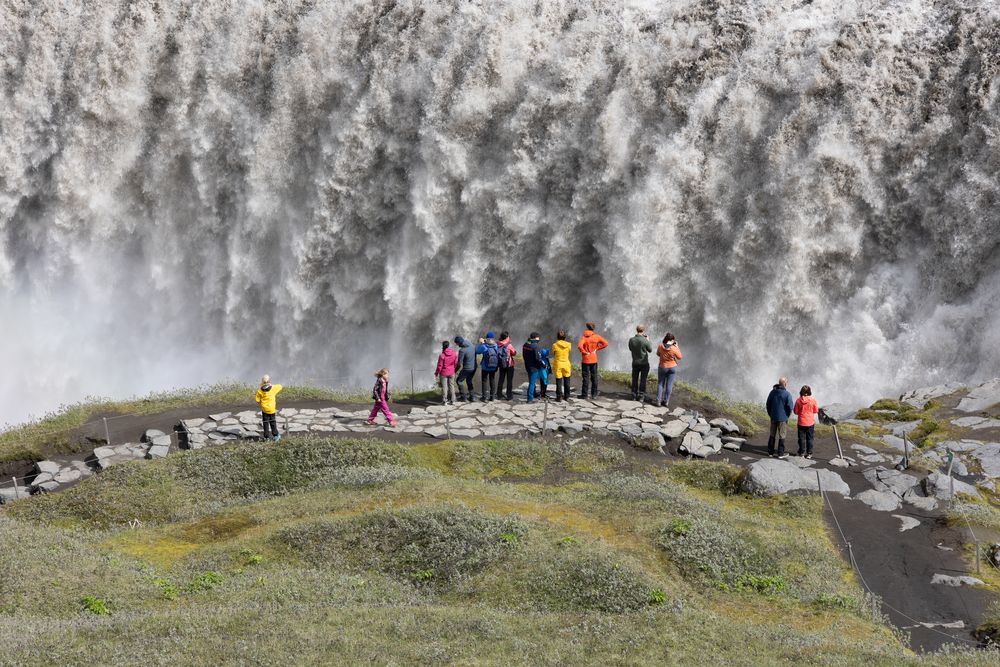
896, 565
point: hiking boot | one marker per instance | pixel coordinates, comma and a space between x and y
663, 404
809, 456
782, 456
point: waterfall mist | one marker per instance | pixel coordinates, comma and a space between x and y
193, 190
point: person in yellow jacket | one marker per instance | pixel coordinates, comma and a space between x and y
267, 399
560, 365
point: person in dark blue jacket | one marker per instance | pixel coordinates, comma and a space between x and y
779, 409
490, 363
466, 367
531, 353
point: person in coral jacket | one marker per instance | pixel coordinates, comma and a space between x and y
806, 410
669, 353
445, 372
589, 345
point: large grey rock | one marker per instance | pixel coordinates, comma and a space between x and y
982, 397
219, 416
967, 422
68, 475
890, 481
50, 467
904, 428
701, 429
691, 443
157, 452
713, 442
939, 486
574, 428
894, 441
733, 443
771, 477
152, 433
863, 449
879, 500
727, 425
908, 522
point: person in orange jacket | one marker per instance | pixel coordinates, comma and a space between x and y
806, 410
589, 344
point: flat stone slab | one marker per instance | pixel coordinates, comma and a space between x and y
908, 522
939, 485
979, 398
772, 477
50, 467
918, 397
946, 580
726, 425
890, 481
879, 501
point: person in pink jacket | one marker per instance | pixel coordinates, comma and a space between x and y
806, 409
381, 396
445, 373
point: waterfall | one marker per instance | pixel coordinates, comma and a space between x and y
200, 189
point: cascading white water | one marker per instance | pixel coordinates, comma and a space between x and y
200, 189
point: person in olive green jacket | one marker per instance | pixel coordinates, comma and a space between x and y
641, 348
267, 399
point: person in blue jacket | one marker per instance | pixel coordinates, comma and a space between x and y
531, 353
466, 367
543, 375
489, 363
779, 409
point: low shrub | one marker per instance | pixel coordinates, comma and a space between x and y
205, 581
437, 545
713, 552
95, 605
707, 475
589, 582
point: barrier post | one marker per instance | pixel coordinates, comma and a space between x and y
411, 382
17, 495
447, 422
977, 557
819, 484
107, 433
839, 448
906, 451
951, 480
545, 417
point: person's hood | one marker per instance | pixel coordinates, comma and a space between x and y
778, 387
461, 341
588, 333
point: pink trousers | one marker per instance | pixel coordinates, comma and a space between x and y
384, 408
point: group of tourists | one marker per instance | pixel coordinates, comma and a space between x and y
496, 359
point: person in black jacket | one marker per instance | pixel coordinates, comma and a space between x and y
533, 364
779, 409
466, 368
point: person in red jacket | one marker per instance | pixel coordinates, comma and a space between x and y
589, 344
806, 410
445, 373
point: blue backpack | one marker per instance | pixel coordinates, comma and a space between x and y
505, 356
491, 358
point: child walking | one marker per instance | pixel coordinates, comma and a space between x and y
806, 408
381, 396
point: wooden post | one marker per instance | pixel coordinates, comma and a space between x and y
411, 382
107, 434
839, 448
17, 495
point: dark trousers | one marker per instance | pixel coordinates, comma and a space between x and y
778, 429
640, 373
491, 377
466, 377
589, 381
562, 389
506, 376
270, 425
806, 439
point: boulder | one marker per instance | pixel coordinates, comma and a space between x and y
701, 429
573, 428
713, 442
938, 485
904, 428
219, 416
890, 481
967, 422
908, 522
771, 477
733, 444
726, 425
863, 449
894, 441
880, 501
982, 397
68, 475
152, 433
157, 452
50, 467
691, 443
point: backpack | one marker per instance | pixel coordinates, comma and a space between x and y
491, 358
505, 357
